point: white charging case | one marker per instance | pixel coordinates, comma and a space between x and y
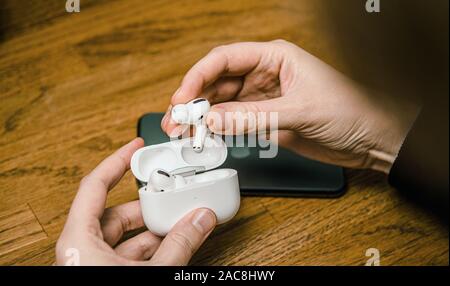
205, 187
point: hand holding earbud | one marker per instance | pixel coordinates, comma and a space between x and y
322, 114
193, 113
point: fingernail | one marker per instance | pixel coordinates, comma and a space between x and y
204, 220
166, 115
163, 121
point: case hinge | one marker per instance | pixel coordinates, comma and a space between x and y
188, 171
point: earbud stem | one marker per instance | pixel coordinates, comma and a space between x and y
199, 138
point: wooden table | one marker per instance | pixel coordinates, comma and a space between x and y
72, 87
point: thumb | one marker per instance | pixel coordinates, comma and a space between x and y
237, 118
185, 238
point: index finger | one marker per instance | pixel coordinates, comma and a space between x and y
91, 197
230, 60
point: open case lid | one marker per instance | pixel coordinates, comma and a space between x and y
178, 156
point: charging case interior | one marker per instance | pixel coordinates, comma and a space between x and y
206, 186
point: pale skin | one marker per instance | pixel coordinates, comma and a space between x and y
94, 232
323, 115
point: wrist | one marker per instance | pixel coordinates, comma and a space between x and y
381, 161
394, 119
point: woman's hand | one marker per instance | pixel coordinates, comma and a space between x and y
91, 233
322, 114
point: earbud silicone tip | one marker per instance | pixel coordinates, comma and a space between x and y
180, 114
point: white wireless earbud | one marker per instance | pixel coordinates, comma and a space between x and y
193, 113
180, 114
161, 181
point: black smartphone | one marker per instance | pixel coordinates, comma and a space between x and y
285, 174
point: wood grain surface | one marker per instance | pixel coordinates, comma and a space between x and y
72, 87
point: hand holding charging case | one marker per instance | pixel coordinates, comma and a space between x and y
216, 189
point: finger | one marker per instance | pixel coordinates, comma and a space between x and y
140, 247
173, 129
120, 219
185, 238
223, 89
237, 118
230, 60
165, 117
91, 197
